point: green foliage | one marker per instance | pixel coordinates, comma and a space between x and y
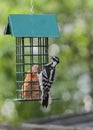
74, 75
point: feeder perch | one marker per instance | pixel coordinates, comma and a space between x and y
31, 33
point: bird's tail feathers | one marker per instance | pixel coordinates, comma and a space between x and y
46, 100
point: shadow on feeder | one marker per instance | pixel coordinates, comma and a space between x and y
31, 31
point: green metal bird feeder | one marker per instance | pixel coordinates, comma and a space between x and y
31, 33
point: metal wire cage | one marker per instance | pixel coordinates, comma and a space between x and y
31, 33
29, 52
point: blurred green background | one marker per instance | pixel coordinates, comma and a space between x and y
74, 75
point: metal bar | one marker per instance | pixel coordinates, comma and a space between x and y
34, 99
40, 58
43, 50
28, 90
18, 52
31, 50
26, 72
31, 46
23, 58
20, 99
31, 61
39, 52
16, 58
46, 49
30, 54
20, 66
16, 65
26, 63
22, 61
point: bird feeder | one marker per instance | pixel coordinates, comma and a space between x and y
32, 33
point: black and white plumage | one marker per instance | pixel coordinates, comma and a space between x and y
46, 78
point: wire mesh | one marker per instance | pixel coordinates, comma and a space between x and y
30, 52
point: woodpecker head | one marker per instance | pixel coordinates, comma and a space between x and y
55, 60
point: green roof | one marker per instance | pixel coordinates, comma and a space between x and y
24, 25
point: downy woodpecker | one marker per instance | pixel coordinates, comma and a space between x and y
46, 78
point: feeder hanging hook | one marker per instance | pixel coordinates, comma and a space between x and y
32, 6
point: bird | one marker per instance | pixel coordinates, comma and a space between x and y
30, 88
46, 78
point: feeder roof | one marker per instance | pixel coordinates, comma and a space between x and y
24, 25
